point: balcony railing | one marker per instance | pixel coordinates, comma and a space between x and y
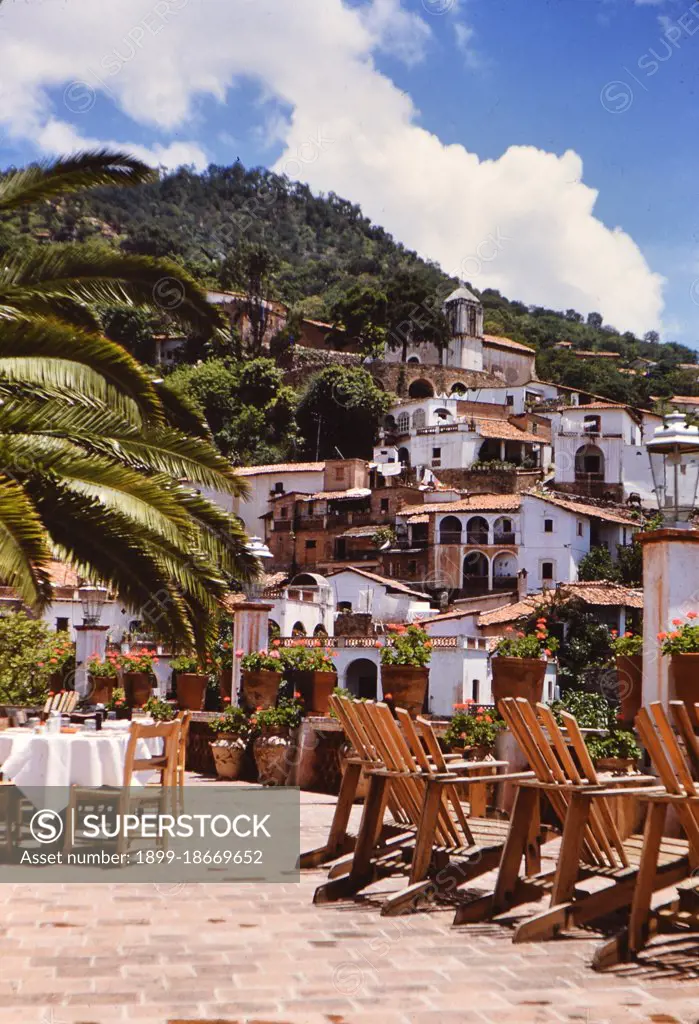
504, 538
477, 537
447, 537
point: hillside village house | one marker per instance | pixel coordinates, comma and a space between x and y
600, 450
482, 543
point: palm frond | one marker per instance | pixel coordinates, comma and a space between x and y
104, 276
42, 350
71, 174
24, 548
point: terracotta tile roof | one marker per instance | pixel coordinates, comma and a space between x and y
604, 593
62, 575
611, 515
418, 519
360, 531
687, 399
504, 431
352, 492
585, 353
475, 502
597, 405
494, 339
447, 616
599, 593
281, 467
386, 581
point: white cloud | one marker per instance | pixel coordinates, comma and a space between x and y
523, 223
464, 35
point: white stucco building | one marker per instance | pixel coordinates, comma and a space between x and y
386, 600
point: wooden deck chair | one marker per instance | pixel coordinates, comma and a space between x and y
437, 825
678, 768
591, 843
339, 841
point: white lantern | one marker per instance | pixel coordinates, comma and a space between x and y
674, 462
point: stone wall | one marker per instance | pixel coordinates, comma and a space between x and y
398, 377
511, 481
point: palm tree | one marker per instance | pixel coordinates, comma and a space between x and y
100, 463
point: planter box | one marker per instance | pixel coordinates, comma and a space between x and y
101, 689
259, 689
229, 757
315, 689
191, 688
518, 677
407, 686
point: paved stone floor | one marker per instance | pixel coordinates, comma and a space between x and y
265, 954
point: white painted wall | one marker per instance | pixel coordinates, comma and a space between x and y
367, 595
310, 606
260, 485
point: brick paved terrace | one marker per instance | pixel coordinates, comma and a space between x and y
264, 953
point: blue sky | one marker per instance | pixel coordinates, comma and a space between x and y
426, 107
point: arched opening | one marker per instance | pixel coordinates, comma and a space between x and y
477, 530
413, 359
504, 531
475, 574
504, 571
589, 464
458, 388
320, 630
361, 678
450, 530
273, 629
389, 422
421, 388
403, 423
442, 416
298, 629
404, 457
419, 419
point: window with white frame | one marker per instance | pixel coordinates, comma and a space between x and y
547, 571
403, 423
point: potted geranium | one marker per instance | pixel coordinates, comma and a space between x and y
519, 662
191, 679
311, 672
628, 656
261, 675
117, 704
682, 645
159, 710
404, 671
618, 752
232, 730
274, 744
60, 659
102, 678
137, 676
472, 731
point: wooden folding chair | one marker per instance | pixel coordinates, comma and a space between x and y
160, 793
591, 844
678, 770
339, 841
436, 824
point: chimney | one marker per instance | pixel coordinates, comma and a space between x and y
522, 584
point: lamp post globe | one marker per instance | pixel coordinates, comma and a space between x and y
673, 452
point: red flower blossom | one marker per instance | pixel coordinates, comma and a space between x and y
692, 615
388, 696
677, 622
226, 700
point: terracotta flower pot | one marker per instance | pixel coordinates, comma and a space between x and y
138, 687
629, 672
407, 685
315, 689
228, 754
684, 682
191, 688
518, 677
101, 689
273, 750
260, 689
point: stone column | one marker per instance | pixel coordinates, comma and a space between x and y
250, 633
89, 640
670, 590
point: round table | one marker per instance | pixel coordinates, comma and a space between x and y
87, 758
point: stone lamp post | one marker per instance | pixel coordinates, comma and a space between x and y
91, 638
671, 553
251, 619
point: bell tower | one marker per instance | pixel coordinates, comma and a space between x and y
465, 315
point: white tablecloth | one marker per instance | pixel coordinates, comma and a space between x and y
64, 759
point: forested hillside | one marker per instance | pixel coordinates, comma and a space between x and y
327, 261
